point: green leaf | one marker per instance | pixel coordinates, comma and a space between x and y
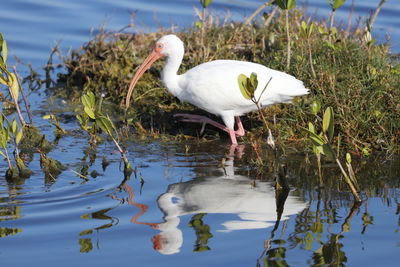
205, 3
242, 80
310, 29
89, 112
327, 151
311, 127
14, 127
335, 4
285, 4
328, 122
105, 124
198, 24
3, 49
291, 4
88, 100
304, 28
18, 137
14, 89
3, 140
316, 139
1, 153
254, 81
365, 152
250, 87
348, 158
315, 107
3, 81
322, 30
112, 124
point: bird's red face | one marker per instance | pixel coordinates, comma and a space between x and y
154, 55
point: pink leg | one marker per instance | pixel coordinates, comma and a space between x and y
240, 130
204, 120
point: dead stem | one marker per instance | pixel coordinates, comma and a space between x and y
373, 17
258, 10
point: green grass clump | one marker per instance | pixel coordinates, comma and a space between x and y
358, 79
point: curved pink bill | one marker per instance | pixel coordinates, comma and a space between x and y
154, 55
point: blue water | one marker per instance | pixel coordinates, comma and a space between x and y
32, 28
191, 210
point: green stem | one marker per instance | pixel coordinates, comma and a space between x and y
314, 75
28, 111
125, 159
348, 181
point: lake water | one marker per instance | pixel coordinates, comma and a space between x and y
191, 209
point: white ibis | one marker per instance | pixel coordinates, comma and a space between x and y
213, 86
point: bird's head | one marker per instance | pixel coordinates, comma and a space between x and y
169, 46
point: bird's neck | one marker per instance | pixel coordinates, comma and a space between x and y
169, 74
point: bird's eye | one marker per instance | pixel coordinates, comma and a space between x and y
159, 47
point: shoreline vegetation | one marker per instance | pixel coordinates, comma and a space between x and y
351, 113
345, 69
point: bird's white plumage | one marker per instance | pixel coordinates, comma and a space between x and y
213, 86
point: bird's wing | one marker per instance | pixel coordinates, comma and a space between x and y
213, 86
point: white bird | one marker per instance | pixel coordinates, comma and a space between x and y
213, 86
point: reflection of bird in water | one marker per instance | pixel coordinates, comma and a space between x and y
228, 193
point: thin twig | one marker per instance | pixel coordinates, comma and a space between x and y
271, 16
373, 17
258, 10
347, 33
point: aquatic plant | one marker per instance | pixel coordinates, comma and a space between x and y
92, 120
322, 144
59, 131
51, 167
248, 87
